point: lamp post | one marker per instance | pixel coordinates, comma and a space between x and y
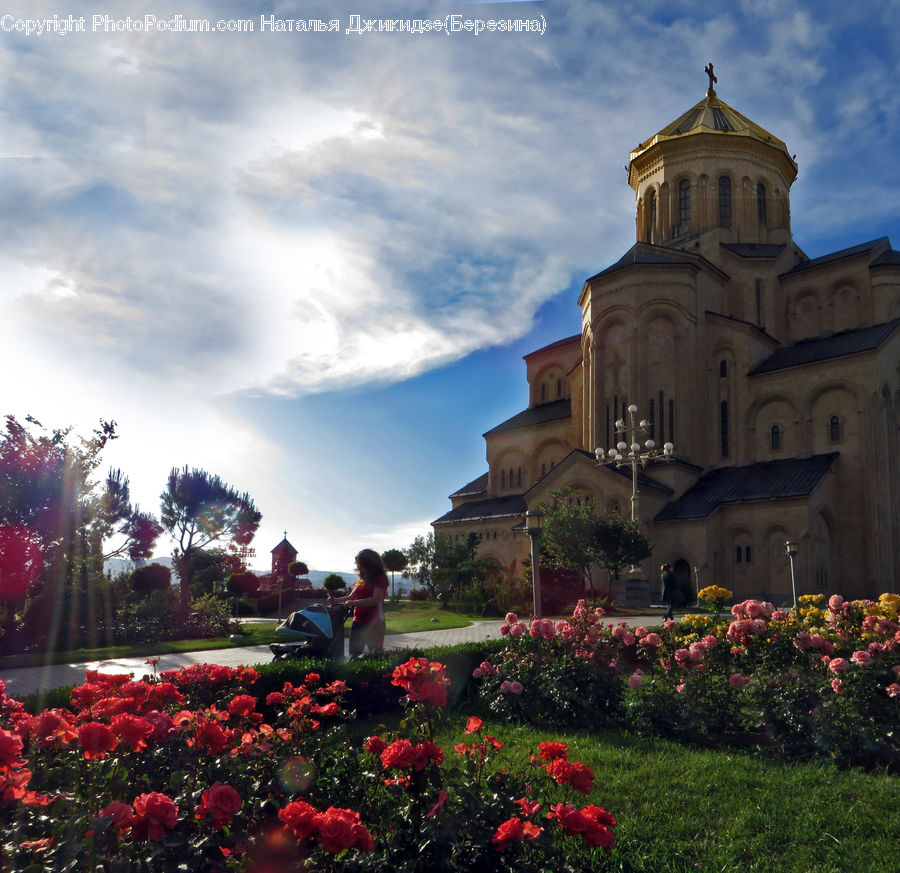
792, 551
628, 451
533, 518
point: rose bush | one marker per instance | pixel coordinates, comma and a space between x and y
192, 770
822, 682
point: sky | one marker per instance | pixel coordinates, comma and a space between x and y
311, 262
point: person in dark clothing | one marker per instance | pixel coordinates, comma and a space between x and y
669, 590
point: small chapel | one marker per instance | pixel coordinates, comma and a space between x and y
776, 378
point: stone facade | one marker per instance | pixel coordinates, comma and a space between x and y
776, 377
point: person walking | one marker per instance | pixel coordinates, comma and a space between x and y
367, 600
669, 590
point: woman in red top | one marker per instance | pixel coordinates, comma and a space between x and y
367, 598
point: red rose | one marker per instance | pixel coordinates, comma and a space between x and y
514, 830
96, 739
119, 812
473, 725
598, 836
10, 747
375, 745
300, 818
133, 730
53, 730
219, 803
552, 751
572, 820
242, 704
342, 829
398, 754
213, 737
155, 814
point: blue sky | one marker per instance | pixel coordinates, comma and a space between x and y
312, 262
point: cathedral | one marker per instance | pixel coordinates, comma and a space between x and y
775, 377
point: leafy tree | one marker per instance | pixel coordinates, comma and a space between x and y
297, 569
576, 537
569, 533
151, 577
199, 509
334, 582
434, 561
246, 582
394, 561
56, 520
620, 543
210, 568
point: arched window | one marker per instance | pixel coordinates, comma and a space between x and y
684, 204
775, 439
723, 369
834, 429
503, 478
724, 201
723, 427
543, 469
761, 203
559, 387
651, 221
519, 477
510, 477
738, 554
543, 392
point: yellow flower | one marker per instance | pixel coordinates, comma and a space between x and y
889, 605
813, 599
714, 594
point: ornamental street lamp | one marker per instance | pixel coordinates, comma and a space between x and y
533, 518
629, 451
792, 551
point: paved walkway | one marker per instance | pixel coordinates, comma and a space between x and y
26, 680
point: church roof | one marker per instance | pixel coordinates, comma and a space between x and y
890, 258
476, 486
540, 414
569, 340
768, 480
754, 250
285, 546
839, 255
644, 253
712, 115
483, 510
846, 342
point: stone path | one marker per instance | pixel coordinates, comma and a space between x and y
26, 680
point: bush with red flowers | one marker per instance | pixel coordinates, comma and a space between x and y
192, 770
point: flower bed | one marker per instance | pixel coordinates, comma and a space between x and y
826, 681
194, 770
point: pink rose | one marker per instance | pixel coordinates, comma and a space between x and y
861, 658
652, 639
893, 689
835, 602
636, 679
511, 618
838, 665
517, 629
735, 680
515, 687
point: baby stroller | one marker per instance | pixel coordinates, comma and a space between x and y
317, 631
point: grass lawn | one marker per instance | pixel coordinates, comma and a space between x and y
682, 810
404, 617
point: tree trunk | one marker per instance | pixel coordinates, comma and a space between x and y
183, 568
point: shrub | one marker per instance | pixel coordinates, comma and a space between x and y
152, 577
